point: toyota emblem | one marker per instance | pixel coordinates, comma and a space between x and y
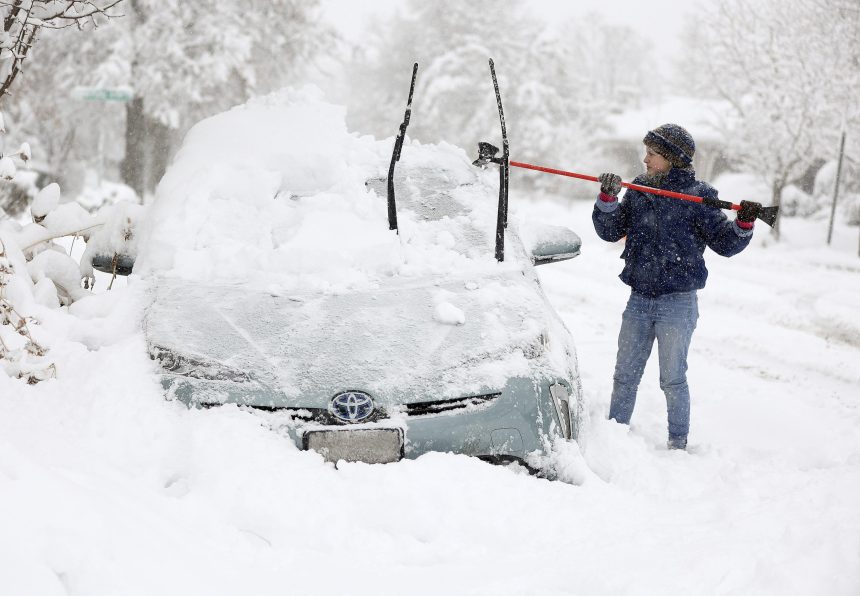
351, 406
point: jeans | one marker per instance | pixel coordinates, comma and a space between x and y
670, 319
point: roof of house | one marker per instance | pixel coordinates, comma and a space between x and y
702, 117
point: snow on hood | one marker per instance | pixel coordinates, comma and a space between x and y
299, 350
277, 193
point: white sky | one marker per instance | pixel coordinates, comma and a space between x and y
660, 20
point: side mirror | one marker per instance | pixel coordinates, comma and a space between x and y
113, 246
551, 244
116, 263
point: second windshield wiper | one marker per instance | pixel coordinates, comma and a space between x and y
395, 156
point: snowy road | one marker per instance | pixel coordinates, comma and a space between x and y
105, 488
766, 500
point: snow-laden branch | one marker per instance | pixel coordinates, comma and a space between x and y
71, 10
36, 273
23, 19
21, 356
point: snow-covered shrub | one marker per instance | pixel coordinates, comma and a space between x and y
796, 203
97, 194
36, 272
21, 355
850, 205
18, 193
849, 189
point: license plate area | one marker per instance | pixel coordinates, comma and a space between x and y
368, 445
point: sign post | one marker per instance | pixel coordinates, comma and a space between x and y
836, 187
123, 94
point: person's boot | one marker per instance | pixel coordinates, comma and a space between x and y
677, 442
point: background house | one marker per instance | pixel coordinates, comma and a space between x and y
620, 149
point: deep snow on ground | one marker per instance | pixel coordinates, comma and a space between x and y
105, 488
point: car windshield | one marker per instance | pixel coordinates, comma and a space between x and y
278, 194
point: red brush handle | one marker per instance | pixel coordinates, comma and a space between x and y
647, 189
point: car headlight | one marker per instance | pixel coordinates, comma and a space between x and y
180, 364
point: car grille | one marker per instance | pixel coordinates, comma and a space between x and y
316, 415
414, 410
427, 408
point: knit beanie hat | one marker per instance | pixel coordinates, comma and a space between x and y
672, 142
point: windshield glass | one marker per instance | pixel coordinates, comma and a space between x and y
278, 194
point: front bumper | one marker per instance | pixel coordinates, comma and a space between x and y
508, 424
501, 426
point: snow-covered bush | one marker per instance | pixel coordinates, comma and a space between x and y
36, 272
851, 208
849, 189
796, 203
17, 194
98, 193
33, 269
21, 355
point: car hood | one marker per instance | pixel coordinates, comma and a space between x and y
402, 343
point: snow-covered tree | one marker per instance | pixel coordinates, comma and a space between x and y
188, 60
789, 69
68, 136
23, 20
454, 98
30, 26
547, 88
184, 61
611, 65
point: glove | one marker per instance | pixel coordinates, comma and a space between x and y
610, 184
749, 211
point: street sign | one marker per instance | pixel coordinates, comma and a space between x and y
103, 94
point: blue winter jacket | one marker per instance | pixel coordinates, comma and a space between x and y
666, 238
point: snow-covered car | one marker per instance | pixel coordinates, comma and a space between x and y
277, 286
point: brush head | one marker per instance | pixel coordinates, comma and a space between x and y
768, 215
486, 154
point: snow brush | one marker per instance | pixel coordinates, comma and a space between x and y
487, 153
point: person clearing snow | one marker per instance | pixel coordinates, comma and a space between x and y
664, 267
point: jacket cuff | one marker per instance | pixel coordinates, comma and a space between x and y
605, 206
740, 230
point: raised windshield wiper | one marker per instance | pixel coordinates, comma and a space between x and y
487, 154
502, 218
395, 156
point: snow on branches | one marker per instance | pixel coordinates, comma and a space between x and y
36, 273
21, 356
22, 20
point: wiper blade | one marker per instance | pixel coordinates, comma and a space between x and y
502, 217
395, 156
